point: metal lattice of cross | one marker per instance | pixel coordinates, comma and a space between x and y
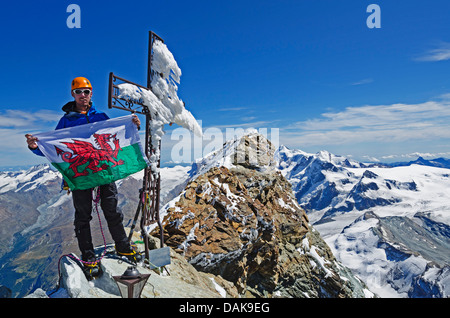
149, 194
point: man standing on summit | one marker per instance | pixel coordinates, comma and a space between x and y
78, 112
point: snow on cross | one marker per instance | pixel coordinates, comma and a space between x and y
162, 99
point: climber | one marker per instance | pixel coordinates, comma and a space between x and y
79, 112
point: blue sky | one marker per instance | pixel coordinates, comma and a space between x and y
312, 69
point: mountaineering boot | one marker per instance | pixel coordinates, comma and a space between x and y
92, 268
130, 252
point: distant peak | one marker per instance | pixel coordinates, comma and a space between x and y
39, 167
324, 155
369, 174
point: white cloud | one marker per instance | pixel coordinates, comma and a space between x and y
17, 118
231, 109
373, 124
14, 124
371, 159
441, 53
363, 82
415, 155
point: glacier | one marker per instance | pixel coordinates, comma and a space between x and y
389, 225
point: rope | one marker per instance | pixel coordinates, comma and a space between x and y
96, 200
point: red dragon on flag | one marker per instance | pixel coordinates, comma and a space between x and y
85, 152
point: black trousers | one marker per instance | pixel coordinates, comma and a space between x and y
82, 201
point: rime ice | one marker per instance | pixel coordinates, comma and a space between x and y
163, 102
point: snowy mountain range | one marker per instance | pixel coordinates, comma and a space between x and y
438, 162
389, 225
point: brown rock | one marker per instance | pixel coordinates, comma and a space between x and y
245, 225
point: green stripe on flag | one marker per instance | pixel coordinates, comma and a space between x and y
133, 162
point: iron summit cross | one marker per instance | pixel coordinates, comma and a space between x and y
149, 194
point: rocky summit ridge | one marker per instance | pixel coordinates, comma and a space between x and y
178, 279
239, 219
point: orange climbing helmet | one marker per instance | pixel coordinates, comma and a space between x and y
81, 82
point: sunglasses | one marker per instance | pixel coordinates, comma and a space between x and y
80, 91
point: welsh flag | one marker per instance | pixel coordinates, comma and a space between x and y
95, 154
